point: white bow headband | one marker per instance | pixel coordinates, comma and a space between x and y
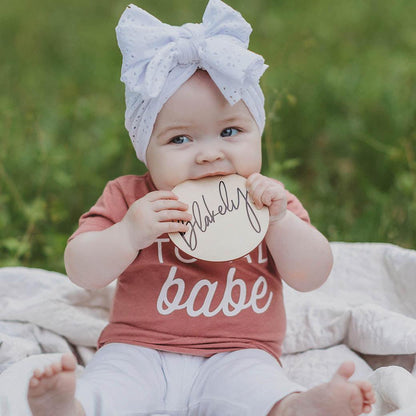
159, 58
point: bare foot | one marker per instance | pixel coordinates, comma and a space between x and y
339, 397
52, 391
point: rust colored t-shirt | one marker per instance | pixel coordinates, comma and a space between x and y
169, 301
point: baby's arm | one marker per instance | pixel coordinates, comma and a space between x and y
302, 254
94, 259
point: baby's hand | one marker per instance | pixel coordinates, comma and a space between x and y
156, 213
266, 191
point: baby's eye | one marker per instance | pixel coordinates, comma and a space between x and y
229, 131
180, 140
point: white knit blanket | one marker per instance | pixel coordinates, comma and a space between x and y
365, 312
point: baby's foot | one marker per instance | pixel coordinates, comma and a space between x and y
339, 397
52, 391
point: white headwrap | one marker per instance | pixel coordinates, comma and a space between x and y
159, 58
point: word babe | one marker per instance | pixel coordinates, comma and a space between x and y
174, 288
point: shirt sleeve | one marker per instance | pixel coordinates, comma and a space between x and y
109, 209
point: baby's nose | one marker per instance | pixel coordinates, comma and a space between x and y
209, 154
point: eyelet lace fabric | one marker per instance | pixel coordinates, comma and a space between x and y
159, 58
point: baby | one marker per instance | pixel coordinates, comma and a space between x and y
194, 109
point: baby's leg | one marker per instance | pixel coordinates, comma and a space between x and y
339, 397
52, 391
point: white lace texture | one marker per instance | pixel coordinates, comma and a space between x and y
159, 58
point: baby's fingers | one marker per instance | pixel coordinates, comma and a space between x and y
173, 227
256, 191
169, 204
160, 195
173, 215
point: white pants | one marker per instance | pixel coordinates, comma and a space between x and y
124, 379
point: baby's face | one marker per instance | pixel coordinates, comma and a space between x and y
198, 133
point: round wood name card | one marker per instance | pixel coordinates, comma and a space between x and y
225, 224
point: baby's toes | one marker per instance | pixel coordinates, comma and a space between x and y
56, 367
36, 377
37, 373
366, 408
370, 398
37, 385
48, 371
356, 401
34, 382
367, 391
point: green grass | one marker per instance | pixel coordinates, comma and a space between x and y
340, 97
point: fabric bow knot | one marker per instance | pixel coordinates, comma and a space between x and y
151, 49
188, 43
159, 58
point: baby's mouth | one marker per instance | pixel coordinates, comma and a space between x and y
212, 174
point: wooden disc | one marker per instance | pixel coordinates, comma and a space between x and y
225, 222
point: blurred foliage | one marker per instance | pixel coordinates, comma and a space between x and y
340, 100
